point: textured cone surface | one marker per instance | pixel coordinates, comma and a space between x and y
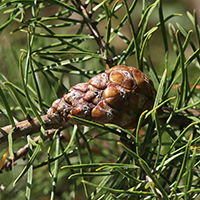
118, 96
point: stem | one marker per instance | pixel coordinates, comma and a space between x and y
27, 127
95, 32
32, 126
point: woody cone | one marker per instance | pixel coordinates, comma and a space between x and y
117, 96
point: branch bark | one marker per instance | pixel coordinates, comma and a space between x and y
21, 153
32, 126
27, 127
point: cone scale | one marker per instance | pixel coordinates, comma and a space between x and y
117, 96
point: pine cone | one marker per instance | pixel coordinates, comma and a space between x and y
118, 96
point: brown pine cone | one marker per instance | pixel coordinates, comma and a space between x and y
118, 96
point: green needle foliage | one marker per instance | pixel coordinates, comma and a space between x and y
55, 44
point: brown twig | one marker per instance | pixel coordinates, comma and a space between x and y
9, 162
94, 30
28, 127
